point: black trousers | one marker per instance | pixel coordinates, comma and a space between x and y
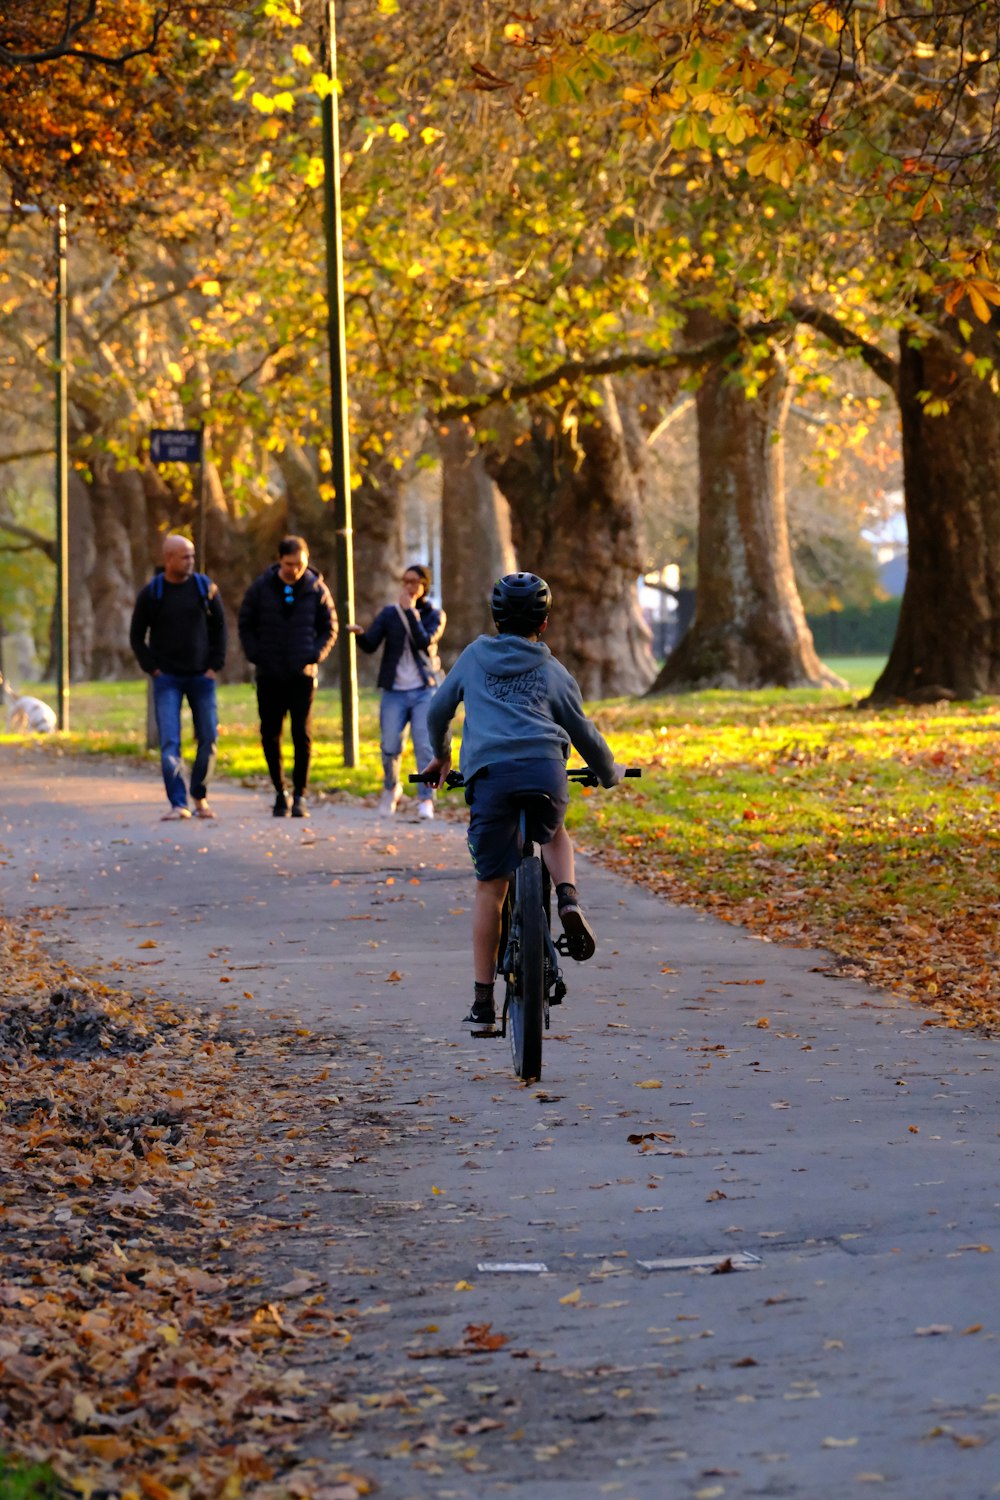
276, 697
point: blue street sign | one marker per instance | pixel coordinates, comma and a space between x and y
175, 446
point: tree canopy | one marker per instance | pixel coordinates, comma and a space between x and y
99, 100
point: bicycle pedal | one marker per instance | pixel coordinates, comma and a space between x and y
561, 945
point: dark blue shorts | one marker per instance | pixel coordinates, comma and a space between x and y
495, 798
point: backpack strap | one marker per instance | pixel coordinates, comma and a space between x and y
207, 590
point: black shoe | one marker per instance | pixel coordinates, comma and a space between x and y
581, 943
299, 809
483, 1014
280, 809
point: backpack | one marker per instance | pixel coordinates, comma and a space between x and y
206, 588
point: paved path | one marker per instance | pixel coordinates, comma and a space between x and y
780, 1111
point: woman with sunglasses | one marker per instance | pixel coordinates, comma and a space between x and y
288, 624
408, 673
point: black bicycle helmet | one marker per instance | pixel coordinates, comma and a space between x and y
520, 602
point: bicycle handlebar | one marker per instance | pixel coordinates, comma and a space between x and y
583, 774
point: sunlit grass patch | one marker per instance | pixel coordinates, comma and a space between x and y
27, 1481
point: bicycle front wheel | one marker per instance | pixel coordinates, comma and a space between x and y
527, 1009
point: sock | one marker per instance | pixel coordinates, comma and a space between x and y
484, 993
566, 894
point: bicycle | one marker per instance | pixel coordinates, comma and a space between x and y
528, 954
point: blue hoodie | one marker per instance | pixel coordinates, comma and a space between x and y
520, 704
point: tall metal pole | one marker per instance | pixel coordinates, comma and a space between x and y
338, 395
202, 538
62, 474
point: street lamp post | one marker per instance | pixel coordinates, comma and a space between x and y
62, 472
340, 446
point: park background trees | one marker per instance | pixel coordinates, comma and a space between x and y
557, 233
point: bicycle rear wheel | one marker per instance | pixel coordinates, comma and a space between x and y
527, 1005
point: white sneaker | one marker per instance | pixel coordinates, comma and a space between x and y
389, 800
425, 810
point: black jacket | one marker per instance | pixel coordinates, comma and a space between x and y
426, 627
177, 629
283, 642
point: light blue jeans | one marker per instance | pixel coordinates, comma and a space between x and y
169, 692
396, 710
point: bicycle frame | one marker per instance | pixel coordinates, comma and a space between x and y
528, 956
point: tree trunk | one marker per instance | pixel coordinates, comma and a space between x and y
476, 545
118, 507
82, 559
577, 520
947, 641
749, 628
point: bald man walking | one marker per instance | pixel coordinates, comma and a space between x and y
178, 635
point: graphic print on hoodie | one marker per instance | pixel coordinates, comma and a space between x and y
527, 689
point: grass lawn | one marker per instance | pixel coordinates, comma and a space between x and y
874, 834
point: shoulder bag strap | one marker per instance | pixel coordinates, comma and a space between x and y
406, 626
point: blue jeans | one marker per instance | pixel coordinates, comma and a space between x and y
169, 692
395, 712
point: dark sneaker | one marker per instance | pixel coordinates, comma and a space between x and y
299, 809
581, 943
483, 1014
280, 809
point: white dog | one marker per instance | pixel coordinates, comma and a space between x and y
26, 715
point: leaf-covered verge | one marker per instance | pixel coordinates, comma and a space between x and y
142, 1354
874, 835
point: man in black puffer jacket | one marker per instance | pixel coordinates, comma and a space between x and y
288, 624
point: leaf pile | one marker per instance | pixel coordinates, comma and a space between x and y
138, 1353
874, 835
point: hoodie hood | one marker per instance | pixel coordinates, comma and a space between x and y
509, 655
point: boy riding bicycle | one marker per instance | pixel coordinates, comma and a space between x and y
523, 710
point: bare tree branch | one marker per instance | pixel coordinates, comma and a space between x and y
571, 371
13, 458
880, 363
33, 538
66, 45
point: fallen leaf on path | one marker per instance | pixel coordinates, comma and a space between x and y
479, 1336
